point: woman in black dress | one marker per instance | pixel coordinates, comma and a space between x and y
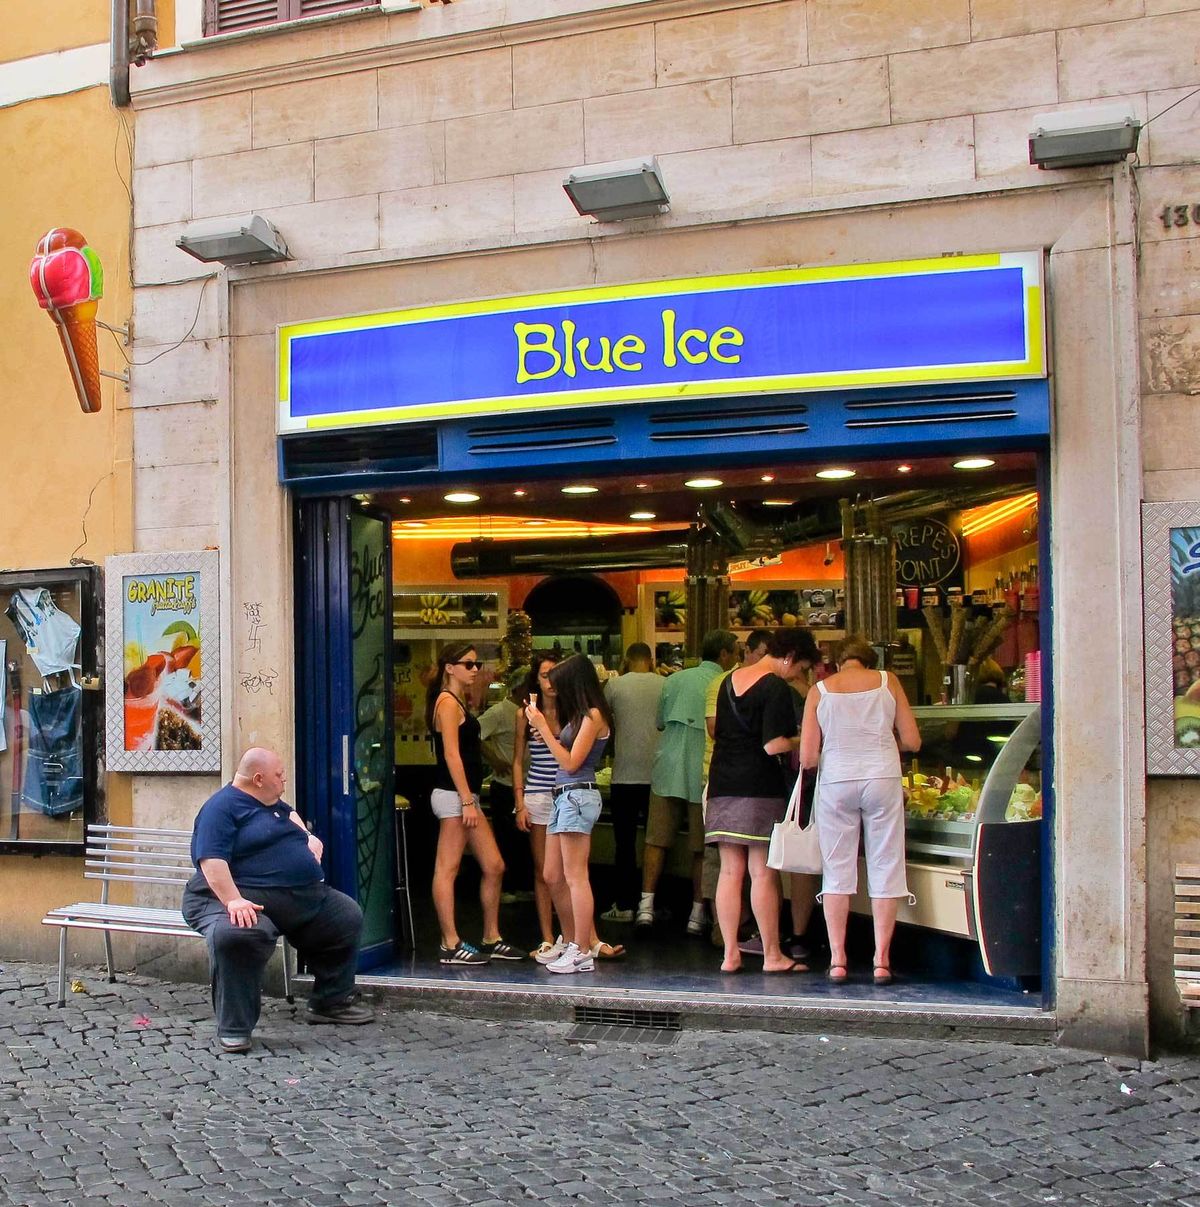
748, 789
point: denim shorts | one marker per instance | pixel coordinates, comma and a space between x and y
576, 811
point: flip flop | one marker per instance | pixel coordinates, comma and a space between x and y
838, 980
794, 966
606, 951
882, 976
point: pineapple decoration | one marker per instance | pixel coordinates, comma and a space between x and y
516, 646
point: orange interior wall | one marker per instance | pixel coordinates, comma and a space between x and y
427, 563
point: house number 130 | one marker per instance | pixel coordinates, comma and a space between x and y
1180, 215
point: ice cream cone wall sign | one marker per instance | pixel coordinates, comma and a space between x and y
68, 282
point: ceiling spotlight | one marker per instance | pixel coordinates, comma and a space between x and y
641, 515
405, 499
536, 523
461, 496
580, 490
835, 473
904, 469
767, 478
518, 494
777, 502
974, 463
704, 483
642, 486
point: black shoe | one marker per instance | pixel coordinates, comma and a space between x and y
464, 955
795, 948
349, 1013
234, 1043
501, 951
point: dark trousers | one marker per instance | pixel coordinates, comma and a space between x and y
322, 924
628, 804
513, 844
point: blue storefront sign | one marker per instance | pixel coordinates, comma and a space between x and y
954, 319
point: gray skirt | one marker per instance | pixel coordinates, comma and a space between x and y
743, 821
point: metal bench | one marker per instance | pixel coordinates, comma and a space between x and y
1187, 933
136, 856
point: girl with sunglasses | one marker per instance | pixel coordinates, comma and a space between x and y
458, 778
578, 750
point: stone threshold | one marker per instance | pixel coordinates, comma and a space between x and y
791, 1013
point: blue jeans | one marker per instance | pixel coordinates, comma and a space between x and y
576, 811
322, 924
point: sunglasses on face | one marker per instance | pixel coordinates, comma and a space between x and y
470, 664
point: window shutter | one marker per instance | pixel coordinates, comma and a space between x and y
227, 16
315, 8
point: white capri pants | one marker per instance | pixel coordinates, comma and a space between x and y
877, 805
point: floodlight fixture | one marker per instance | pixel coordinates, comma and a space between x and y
1080, 138
248, 240
626, 188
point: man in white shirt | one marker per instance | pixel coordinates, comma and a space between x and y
633, 698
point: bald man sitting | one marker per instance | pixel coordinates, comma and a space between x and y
260, 877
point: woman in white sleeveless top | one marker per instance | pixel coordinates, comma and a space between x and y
851, 725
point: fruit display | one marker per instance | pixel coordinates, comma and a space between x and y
1025, 804
433, 609
765, 607
670, 609
948, 798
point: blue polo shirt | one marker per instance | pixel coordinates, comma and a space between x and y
261, 843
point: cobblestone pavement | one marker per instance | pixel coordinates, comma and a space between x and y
120, 1099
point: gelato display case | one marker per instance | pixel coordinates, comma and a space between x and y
973, 805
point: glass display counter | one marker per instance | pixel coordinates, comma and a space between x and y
973, 806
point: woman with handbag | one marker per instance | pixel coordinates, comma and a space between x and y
748, 789
856, 722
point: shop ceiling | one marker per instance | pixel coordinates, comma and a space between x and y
767, 493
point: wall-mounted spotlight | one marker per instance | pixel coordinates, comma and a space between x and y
627, 188
1079, 138
247, 240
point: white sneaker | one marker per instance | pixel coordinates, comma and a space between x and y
547, 954
698, 923
645, 917
572, 960
617, 914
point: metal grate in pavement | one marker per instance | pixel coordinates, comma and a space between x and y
596, 1024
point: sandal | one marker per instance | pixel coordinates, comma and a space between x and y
882, 975
606, 951
836, 968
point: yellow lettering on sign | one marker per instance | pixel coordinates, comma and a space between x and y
535, 338
633, 345
726, 337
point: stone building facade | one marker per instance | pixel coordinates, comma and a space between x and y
414, 155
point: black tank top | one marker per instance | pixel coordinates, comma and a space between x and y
469, 749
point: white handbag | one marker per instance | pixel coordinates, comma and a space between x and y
796, 848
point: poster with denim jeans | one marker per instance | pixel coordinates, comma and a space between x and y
53, 782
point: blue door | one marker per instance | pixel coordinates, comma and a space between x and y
344, 737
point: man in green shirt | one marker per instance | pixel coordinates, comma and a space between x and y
677, 781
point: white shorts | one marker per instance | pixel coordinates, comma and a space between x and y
877, 805
445, 803
539, 806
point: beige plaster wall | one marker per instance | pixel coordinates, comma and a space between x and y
429, 148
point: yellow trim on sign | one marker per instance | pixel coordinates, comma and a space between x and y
665, 391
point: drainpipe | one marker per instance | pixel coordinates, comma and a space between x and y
124, 48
